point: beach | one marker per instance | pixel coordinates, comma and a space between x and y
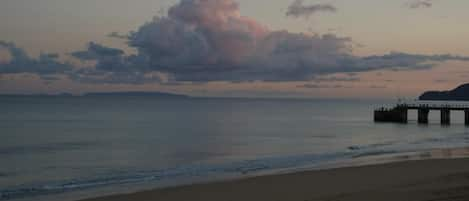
418, 180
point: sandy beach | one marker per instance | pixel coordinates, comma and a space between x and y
422, 180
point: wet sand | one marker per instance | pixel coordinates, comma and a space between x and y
422, 180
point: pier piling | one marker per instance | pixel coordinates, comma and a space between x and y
466, 117
445, 116
423, 115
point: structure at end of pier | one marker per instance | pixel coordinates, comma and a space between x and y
399, 113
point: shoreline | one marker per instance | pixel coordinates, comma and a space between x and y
433, 175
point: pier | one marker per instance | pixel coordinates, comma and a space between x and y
399, 114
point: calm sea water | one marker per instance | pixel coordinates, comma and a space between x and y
54, 147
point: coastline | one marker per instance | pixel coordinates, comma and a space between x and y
434, 175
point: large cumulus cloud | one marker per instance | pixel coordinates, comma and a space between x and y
209, 40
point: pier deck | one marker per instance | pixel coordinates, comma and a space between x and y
399, 113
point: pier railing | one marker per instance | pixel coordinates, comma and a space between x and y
416, 106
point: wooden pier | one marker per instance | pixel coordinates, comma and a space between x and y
399, 113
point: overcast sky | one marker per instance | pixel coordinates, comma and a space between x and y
331, 48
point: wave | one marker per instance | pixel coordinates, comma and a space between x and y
193, 171
56, 147
370, 146
375, 153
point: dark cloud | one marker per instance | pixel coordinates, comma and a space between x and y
441, 81
96, 51
118, 35
336, 79
111, 60
320, 86
415, 4
405, 61
378, 87
93, 76
50, 77
298, 9
20, 62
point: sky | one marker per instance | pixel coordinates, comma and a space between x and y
279, 48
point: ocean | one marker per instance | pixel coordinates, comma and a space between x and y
64, 148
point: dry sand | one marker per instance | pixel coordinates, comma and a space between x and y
424, 180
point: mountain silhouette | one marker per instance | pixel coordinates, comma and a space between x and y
461, 93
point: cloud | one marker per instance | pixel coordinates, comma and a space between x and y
96, 51
378, 87
336, 79
415, 4
118, 35
50, 78
298, 9
110, 59
441, 81
111, 67
93, 76
404, 61
202, 41
20, 62
319, 86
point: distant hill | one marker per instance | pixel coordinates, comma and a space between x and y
39, 95
461, 93
105, 94
136, 94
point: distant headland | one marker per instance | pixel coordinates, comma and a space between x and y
138, 94
461, 93
109, 94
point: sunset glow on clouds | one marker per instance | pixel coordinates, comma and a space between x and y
199, 44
